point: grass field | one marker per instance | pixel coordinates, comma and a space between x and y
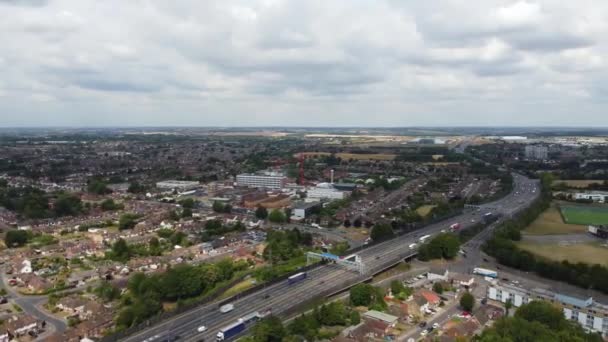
591, 253
578, 183
425, 209
550, 222
585, 214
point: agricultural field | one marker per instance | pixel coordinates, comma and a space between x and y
550, 222
577, 183
585, 215
592, 253
425, 209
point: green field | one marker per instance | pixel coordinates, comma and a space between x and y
585, 215
550, 222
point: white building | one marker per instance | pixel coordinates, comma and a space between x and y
537, 152
269, 180
595, 196
177, 185
592, 316
325, 191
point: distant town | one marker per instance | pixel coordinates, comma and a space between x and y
303, 234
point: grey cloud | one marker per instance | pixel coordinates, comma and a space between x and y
259, 61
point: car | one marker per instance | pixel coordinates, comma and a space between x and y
435, 325
429, 329
201, 329
422, 324
423, 333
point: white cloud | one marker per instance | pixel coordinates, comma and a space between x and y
273, 62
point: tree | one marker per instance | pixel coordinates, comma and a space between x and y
269, 329
347, 223
508, 306
67, 205
120, 251
187, 203
16, 238
136, 188
397, 287
357, 223
361, 295
467, 301
261, 213
438, 288
444, 246
382, 232
355, 318
109, 205
276, 216
98, 186
542, 312
127, 221
218, 207
333, 314
107, 292
187, 212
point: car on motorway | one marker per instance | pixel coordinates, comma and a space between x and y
150, 339
226, 308
201, 329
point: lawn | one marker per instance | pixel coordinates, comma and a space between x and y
550, 222
591, 253
585, 214
425, 209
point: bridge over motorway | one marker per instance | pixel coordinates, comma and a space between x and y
286, 300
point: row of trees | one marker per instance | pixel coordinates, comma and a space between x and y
537, 321
184, 281
369, 296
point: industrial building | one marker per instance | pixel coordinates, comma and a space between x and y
302, 209
537, 152
592, 316
325, 191
177, 185
269, 180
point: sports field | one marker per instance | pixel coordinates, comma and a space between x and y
591, 253
585, 214
550, 222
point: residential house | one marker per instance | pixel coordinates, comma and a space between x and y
72, 305
426, 300
465, 280
20, 325
435, 274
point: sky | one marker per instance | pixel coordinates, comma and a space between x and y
303, 63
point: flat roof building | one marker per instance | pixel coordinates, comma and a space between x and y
177, 185
591, 315
269, 180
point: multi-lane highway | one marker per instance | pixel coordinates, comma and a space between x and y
282, 297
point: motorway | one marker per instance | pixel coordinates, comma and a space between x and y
282, 297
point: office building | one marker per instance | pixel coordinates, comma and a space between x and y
537, 152
591, 315
269, 180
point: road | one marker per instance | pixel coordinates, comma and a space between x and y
281, 297
31, 305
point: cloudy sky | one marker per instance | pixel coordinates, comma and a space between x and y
295, 63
